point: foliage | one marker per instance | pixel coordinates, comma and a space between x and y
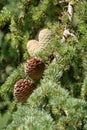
60, 100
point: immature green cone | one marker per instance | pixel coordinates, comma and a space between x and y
23, 89
33, 47
45, 36
34, 68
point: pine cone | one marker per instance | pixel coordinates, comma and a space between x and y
34, 67
33, 47
23, 89
45, 37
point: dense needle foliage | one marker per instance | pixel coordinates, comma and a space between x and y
60, 100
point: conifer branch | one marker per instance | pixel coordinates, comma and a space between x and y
7, 87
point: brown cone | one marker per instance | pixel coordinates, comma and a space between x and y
23, 89
34, 67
